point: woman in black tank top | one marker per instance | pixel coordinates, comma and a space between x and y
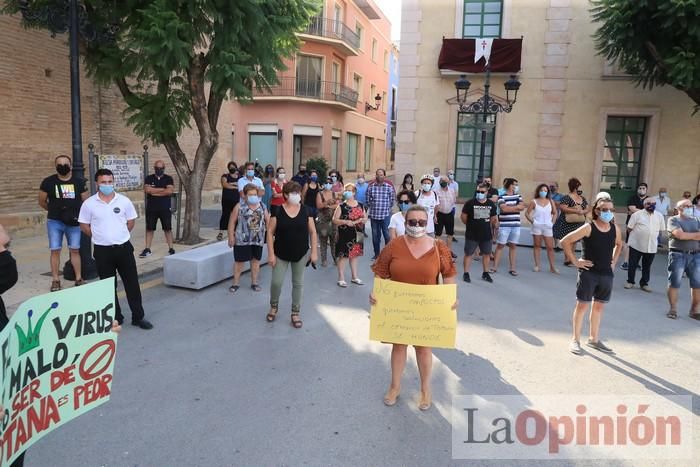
602, 245
309, 193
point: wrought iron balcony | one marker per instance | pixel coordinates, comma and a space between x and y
322, 91
337, 33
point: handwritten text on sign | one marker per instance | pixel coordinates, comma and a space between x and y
57, 357
127, 170
414, 314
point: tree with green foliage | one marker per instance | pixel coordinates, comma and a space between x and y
175, 62
657, 41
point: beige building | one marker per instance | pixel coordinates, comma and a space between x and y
575, 116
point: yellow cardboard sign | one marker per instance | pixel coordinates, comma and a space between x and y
414, 314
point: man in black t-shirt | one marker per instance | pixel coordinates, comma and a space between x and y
61, 195
634, 203
158, 188
480, 217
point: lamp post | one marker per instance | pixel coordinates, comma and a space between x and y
377, 103
62, 16
486, 106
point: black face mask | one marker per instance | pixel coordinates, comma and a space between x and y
302, 171
63, 169
579, 192
443, 184
160, 171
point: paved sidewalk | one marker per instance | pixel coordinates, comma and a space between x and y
32, 255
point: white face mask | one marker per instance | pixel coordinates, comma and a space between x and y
294, 198
427, 187
281, 176
415, 232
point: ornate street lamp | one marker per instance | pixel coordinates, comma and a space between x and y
61, 16
377, 103
487, 106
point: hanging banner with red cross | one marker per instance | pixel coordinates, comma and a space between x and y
482, 48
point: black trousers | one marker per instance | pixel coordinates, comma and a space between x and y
227, 206
647, 259
120, 258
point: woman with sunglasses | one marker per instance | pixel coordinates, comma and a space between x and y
602, 245
414, 258
350, 218
397, 223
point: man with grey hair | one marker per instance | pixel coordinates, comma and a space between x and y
683, 257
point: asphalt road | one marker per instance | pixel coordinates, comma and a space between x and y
215, 385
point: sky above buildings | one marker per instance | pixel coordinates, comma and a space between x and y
392, 10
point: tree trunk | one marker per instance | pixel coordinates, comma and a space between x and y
193, 209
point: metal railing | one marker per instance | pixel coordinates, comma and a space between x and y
310, 89
327, 27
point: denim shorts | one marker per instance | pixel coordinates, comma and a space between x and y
678, 263
57, 229
509, 235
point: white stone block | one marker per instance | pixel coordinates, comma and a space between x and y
201, 267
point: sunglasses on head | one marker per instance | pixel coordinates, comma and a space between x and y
417, 222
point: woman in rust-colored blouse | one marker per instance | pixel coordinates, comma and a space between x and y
414, 258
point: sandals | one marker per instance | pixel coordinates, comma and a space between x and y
272, 314
234, 288
296, 323
256, 287
342, 284
425, 402
391, 397
694, 316
220, 236
357, 282
79, 282
513, 273
55, 286
672, 314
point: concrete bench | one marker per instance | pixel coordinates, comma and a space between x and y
201, 267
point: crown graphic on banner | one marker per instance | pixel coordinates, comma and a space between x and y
482, 48
30, 339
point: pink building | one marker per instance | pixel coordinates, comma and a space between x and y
332, 101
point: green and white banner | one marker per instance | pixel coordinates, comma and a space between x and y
57, 357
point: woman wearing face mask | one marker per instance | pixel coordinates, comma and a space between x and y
397, 224
602, 245
277, 185
574, 209
229, 197
288, 236
326, 205
337, 181
310, 192
542, 213
427, 198
407, 183
350, 218
414, 258
268, 178
246, 235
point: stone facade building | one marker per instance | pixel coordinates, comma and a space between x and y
575, 116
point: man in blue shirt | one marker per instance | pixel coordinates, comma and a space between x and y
361, 187
302, 178
380, 200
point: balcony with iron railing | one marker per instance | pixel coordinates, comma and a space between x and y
325, 92
333, 32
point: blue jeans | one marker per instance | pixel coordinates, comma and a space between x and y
678, 263
57, 230
380, 227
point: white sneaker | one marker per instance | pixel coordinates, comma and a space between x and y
575, 348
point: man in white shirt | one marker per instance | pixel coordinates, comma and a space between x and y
108, 218
664, 206
436, 178
453, 185
445, 216
644, 228
249, 177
